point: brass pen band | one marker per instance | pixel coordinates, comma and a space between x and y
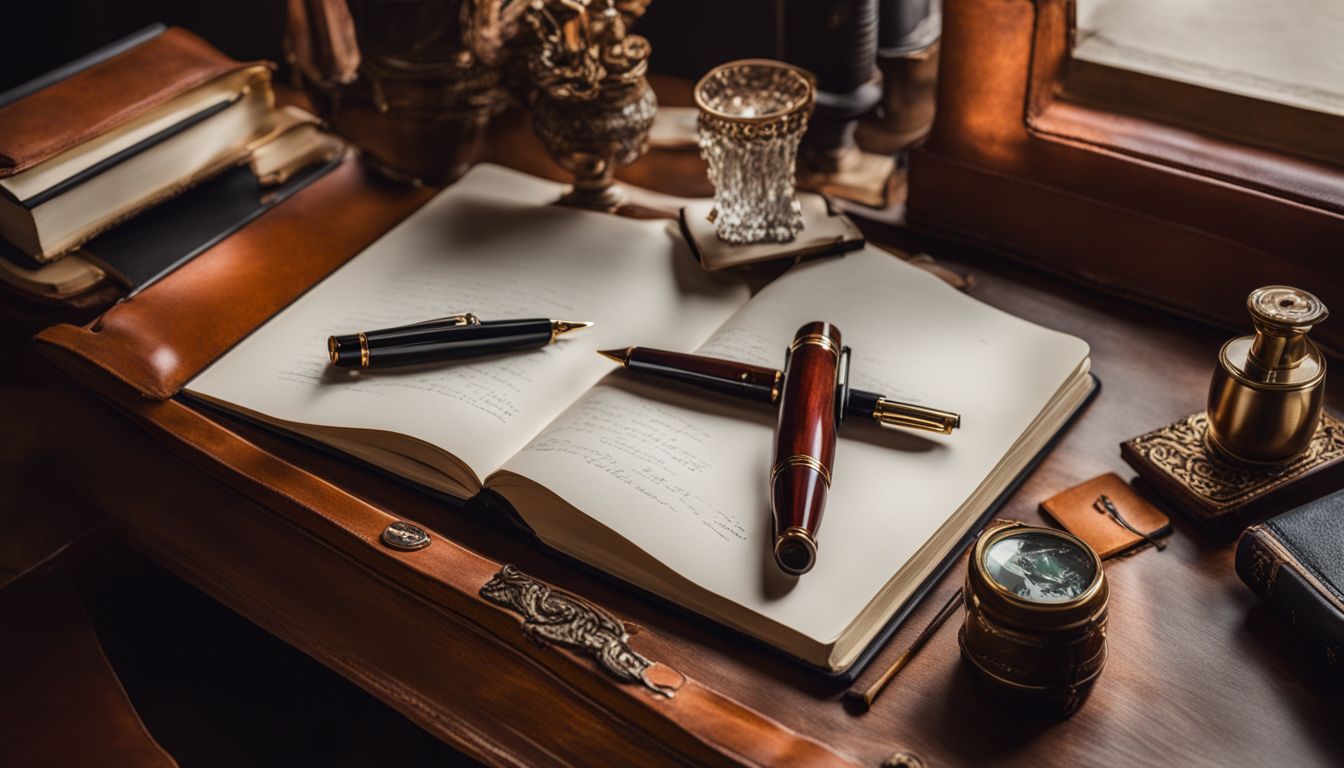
816, 339
363, 349
801, 460
891, 414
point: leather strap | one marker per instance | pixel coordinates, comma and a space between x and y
161, 338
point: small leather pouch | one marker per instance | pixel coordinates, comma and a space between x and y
1081, 512
104, 97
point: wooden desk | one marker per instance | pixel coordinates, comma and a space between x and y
1199, 674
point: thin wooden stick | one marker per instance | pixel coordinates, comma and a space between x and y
865, 699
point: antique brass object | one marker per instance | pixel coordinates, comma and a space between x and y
552, 616
1035, 615
591, 103
411, 83
1267, 392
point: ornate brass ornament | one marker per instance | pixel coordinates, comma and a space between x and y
1180, 451
552, 616
591, 103
414, 83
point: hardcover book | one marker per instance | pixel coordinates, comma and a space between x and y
85, 152
663, 488
1293, 563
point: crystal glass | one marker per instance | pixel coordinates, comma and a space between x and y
752, 114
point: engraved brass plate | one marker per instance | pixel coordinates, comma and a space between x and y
552, 616
1181, 452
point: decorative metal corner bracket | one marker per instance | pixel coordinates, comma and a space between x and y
553, 616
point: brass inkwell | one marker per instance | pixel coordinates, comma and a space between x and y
1035, 625
1265, 443
1268, 389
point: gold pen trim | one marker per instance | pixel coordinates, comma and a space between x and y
801, 460
559, 327
816, 339
333, 349
621, 356
775, 386
363, 349
795, 535
892, 414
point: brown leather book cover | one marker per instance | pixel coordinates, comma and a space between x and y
103, 97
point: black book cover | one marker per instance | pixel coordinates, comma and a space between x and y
1294, 563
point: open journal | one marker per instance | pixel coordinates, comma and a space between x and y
663, 488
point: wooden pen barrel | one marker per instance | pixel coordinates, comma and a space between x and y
750, 382
800, 476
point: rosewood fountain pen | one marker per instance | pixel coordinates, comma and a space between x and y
443, 338
763, 385
813, 397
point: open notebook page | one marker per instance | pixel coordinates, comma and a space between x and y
492, 245
683, 477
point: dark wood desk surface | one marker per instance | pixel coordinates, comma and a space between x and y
1199, 673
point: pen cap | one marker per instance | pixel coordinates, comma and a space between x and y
800, 476
350, 350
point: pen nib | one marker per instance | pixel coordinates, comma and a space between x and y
621, 356
559, 327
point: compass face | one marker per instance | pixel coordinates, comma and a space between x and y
1039, 567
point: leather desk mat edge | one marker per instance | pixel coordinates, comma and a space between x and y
157, 341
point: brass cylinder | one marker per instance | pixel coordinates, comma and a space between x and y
1042, 639
1268, 390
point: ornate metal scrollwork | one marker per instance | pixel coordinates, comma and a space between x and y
553, 616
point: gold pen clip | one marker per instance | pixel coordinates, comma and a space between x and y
463, 318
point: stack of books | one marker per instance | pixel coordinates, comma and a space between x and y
93, 145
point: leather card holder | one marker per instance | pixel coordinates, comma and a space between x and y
1077, 511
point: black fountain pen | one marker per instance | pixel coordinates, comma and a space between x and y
754, 382
443, 338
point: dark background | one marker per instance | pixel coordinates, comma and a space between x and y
688, 36
43, 34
